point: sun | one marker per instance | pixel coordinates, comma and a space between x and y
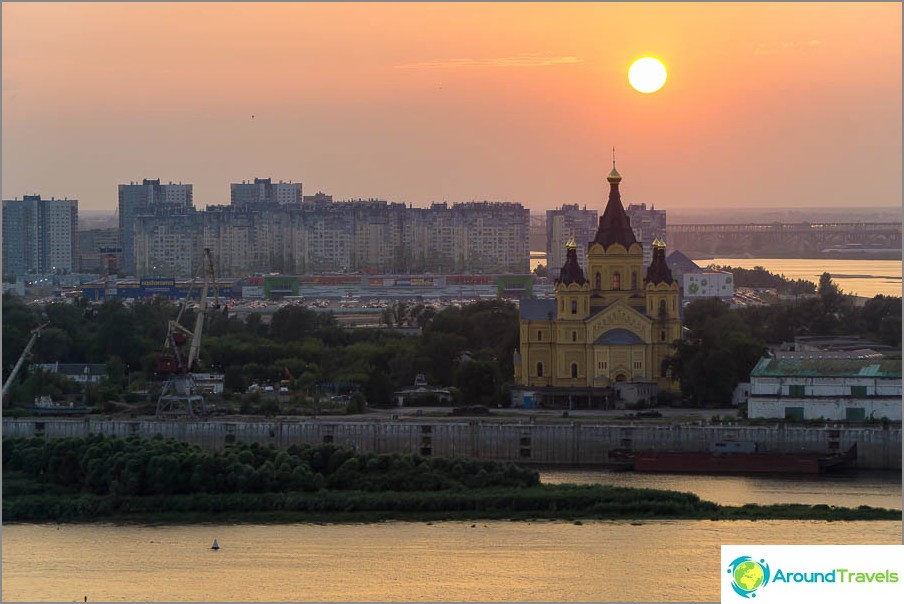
647, 75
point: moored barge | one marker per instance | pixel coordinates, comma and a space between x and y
730, 458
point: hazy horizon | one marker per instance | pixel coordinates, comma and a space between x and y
767, 105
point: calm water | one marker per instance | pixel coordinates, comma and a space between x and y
489, 561
859, 277
875, 489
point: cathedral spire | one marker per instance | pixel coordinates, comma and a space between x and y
615, 226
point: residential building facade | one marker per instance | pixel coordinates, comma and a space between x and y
648, 226
40, 236
321, 236
143, 199
263, 190
565, 224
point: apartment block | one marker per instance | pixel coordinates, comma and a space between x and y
321, 236
566, 223
648, 226
143, 199
40, 236
263, 191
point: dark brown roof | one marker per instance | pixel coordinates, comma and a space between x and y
659, 271
571, 271
615, 226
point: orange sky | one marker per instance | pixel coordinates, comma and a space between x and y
771, 104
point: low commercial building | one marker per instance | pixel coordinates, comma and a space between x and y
814, 388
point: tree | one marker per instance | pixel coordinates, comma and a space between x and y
477, 381
720, 353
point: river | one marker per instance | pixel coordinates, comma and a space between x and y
859, 277
395, 561
441, 561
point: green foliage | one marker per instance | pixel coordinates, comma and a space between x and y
147, 467
720, 353
759, 278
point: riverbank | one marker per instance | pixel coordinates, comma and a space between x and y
522, 436
547, 502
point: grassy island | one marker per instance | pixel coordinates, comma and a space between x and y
105, 479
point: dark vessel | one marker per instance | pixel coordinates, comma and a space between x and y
730, 458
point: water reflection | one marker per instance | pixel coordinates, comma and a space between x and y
876, 489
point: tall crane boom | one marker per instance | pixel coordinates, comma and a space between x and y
195, 347
31, 342
178, 395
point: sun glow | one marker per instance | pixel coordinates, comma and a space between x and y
647, 75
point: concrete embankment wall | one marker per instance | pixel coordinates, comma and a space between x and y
575, 443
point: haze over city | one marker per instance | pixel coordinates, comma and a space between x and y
775, 104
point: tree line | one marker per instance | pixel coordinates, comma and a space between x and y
135, 466
724, 344
470, 348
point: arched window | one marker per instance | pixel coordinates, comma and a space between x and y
561, 305
574, 370
616, 280
598, 281
662, 310
539, 369
574, 336
633, 279
662, 336
539, 336
574, 307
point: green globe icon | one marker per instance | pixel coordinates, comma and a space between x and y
748, 575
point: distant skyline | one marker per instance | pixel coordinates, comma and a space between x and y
766, 104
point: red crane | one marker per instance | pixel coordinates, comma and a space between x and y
178, 395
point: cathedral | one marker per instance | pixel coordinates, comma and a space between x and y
608, 334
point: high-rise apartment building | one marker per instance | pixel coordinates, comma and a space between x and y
262, 190
564, 224
371, 236
168, 243
648, 226
147, 198
99, 251
40, 236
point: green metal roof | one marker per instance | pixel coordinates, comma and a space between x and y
786, 367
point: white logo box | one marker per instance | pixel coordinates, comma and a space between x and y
779, 574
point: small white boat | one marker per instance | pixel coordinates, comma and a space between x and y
215, 545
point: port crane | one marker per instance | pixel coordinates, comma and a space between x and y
178, 395
35, 333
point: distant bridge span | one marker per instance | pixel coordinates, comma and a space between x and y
796, 239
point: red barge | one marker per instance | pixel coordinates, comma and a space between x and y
730, 458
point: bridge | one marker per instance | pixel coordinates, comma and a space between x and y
788, 239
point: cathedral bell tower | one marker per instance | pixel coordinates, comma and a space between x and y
662, 306
572, 289
614, 257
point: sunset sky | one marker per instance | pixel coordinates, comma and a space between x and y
772, 104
